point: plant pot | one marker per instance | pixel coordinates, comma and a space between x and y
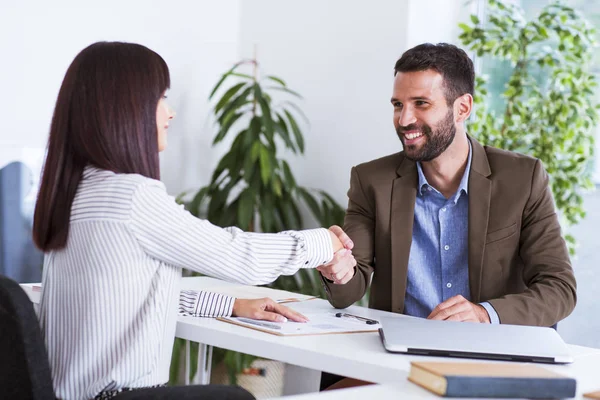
264, 378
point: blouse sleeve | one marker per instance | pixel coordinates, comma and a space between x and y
205, 304
168, 232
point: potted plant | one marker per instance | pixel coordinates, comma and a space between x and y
252, 187
549, 109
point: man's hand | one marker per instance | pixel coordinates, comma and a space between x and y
265, 309
340, 239
458, 308
341, 269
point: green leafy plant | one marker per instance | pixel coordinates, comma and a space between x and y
252, 187
549, 108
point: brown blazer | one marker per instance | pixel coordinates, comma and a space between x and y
518, 260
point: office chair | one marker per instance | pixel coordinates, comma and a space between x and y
193, 392
25, 370
24, 367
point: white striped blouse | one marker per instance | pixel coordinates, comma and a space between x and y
110, 299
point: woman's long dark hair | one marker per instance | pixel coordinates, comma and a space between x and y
105, 116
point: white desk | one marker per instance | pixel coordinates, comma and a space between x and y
359, 355
405, 390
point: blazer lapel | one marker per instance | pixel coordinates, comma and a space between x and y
402, 211
480, 189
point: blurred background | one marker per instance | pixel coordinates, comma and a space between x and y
339, 55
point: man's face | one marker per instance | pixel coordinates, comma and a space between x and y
424, 122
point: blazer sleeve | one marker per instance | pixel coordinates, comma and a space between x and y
359, 224
551, 288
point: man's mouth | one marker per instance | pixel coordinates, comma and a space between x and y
410, 135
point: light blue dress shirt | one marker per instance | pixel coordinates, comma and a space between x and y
438, 260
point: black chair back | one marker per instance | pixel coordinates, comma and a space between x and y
24, 367
193, 392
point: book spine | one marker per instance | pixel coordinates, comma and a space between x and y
533, 388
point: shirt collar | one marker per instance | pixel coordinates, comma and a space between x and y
464, 182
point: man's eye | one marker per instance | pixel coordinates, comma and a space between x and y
420, 103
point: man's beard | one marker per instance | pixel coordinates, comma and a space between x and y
435, 143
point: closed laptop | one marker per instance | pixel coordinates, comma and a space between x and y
472, 340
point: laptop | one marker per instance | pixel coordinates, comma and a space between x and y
420, 336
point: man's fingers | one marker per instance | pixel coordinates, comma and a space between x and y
442, 307
460, 317
346, 278
345, 266
447, 312
342, 236
342, 262
445, 304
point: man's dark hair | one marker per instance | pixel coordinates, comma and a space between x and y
451, 62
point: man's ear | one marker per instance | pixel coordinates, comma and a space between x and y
463, 106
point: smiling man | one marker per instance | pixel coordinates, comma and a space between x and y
449, 229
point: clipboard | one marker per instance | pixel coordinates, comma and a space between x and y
318, 324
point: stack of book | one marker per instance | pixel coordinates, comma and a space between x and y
507, 380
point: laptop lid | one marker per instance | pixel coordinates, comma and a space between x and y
466, 339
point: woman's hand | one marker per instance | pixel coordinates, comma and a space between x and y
265, 309
339, 239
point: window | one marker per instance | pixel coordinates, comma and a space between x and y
498, 72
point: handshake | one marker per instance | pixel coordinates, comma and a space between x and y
341, 268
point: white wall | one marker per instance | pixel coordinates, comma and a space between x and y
340, 56
39, 39
436, 21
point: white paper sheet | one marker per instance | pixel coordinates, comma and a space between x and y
318, 324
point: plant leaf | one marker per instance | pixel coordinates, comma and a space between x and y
227, 124
246, 208
282, 128
228, 95
276, 79
284, 89
311, 202
296, 130
265, 165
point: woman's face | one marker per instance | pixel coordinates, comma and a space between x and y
164, 114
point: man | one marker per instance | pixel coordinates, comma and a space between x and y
447, 228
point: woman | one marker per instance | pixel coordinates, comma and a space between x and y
115, 242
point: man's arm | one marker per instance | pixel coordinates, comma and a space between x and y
551, 288
359, 224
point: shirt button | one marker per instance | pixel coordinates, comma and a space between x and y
444, 209
429, 188
446, 247
448, 285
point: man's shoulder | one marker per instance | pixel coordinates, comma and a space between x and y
505, 161
383, 165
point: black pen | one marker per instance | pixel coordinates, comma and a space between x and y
367, 320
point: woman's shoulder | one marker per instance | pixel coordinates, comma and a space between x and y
101, 191
98, 178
